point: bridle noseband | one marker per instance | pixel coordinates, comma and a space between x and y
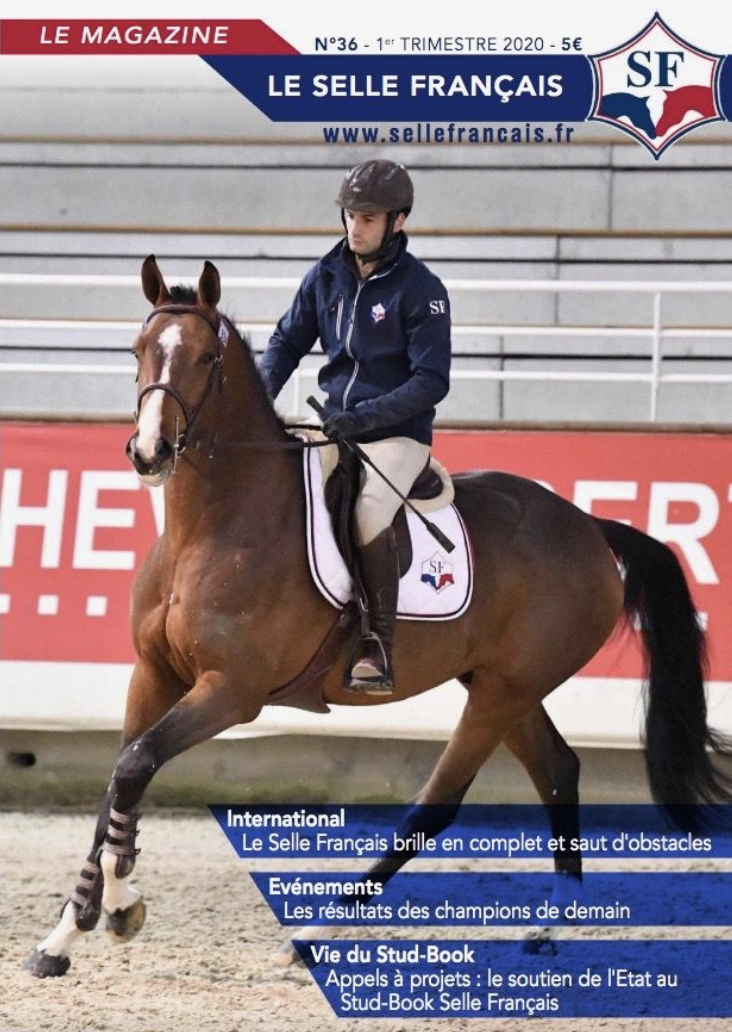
190, 415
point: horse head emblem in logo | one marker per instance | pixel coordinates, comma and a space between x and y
656, 87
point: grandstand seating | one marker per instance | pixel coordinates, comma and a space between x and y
102, 163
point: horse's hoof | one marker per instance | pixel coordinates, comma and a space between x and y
539, 942
286, 956
45, 965
123, 925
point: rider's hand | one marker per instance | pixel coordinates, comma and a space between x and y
340, 426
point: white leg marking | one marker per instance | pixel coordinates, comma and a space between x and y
59, 941
310, 932
118, 893
148, 427
286, 956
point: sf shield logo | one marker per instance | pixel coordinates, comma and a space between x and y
656, 87
437, 573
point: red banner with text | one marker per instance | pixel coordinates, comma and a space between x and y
76, 524
72, 36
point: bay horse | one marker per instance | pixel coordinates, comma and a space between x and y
224, 612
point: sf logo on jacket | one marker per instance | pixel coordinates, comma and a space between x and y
378, 312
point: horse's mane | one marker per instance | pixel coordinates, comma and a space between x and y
257, 381
181, 294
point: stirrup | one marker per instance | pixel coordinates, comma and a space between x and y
370, 676
370, 686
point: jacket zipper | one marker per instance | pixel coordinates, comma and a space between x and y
339, 317
351, 355
354, 374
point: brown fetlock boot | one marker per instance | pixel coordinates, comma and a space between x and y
371, 669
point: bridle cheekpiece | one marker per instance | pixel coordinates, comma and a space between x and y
221, 329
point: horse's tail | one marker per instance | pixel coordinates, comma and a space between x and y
679, 743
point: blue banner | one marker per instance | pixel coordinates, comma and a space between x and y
487, 899
498, 979
498, 88
485, 832
725, 88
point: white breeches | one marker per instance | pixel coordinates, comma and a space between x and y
401, 459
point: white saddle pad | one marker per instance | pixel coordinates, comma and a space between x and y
437, 586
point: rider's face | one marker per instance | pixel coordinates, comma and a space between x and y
366, 230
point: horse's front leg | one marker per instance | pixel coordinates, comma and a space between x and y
166, 725
80, 912
121, 901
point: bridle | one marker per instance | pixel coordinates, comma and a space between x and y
190, 414
221, 329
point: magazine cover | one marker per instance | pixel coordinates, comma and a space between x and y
366, 517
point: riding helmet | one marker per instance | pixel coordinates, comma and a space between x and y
375, 186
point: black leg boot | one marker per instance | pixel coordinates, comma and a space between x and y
371, 669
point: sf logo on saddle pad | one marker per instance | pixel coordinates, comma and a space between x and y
437, 573
656, 87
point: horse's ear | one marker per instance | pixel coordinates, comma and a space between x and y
209, 286
153, 284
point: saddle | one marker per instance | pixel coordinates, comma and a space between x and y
432, 587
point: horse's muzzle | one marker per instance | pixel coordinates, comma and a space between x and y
154, 470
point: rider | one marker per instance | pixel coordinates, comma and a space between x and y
383, 320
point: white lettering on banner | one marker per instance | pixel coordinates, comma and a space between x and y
92, 516
588, 491
49, 516
686, 535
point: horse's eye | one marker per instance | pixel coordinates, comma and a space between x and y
208, 358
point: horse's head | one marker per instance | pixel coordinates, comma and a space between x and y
179, 355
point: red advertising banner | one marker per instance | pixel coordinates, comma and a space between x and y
76, 523
675, 486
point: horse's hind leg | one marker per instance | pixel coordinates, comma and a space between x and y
492, 708
554, 769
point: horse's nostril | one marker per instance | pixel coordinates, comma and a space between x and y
163, 450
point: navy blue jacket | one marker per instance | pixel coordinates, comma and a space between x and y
387, 339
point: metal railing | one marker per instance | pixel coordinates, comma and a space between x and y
655, 332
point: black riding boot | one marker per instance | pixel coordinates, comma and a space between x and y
371, 669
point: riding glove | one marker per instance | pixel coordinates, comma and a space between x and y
341, 425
